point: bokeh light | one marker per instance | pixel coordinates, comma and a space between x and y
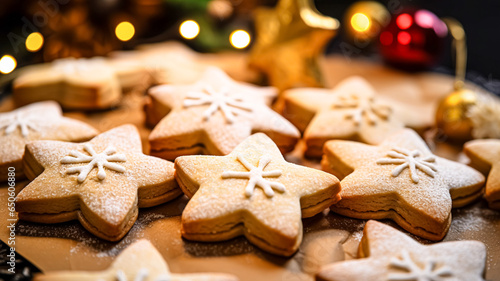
7, 64
404, 38
124, 31
34, 42
189, 29
360, 22
239, 39
404, 21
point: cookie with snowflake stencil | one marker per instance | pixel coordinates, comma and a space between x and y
253, 192
159, 99
400, 179
38, 121
353, 110
140, 261
386, 254
102, 183
73, 83
485, 156
213, 116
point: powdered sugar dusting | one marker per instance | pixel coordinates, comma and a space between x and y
478, 222
27, 123
471, 220
225, 111
85, 240
110, 196
82, 66
37, 121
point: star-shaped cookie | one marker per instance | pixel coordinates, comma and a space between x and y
485, 156
350, 111
73, 83
171, 63
290, 39
389, 255
101, 182
213, 116
401, 179
165, 63
253, 192
160, 98
141, 261
38, 121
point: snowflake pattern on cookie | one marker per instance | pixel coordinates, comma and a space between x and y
359, 107
430, 272
255, 176
218, 100
24, 123
99, 160
409, 159
350, 111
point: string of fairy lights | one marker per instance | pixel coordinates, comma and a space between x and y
189, 29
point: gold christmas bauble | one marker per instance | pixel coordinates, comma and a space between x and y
452, 115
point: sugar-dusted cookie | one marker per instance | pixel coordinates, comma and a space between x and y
73, 83
302, 104
167, 63
160, 99
485, 156
101, 182
389, 255
171, 63
350, 111
253, 192
213, 116
141, 261
38, 121
401, 179
131, 73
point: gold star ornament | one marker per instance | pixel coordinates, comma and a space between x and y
290, 39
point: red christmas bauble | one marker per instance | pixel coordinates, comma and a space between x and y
413, 39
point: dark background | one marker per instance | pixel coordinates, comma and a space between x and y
481, 21
480, 18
